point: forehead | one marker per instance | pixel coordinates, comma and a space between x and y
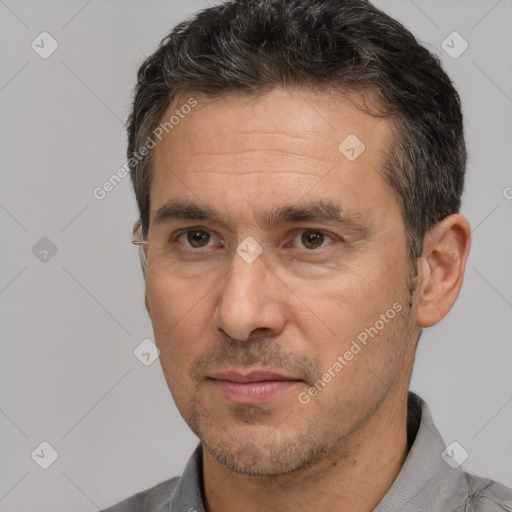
300, 116
281, 143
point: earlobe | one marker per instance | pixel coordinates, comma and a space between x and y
442, 265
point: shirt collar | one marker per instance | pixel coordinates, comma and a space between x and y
425, 482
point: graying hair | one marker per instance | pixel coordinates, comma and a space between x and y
338, 46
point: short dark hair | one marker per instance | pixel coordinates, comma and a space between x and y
339, 46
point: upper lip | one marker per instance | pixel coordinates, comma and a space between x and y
252, 376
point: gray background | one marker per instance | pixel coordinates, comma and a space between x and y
70, 324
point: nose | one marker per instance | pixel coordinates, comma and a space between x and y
251, 299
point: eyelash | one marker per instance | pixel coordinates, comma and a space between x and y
178, 235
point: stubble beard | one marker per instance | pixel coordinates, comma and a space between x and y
296, 443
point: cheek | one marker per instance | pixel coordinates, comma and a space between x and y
177, 312
349, 300
356, 305
360, 362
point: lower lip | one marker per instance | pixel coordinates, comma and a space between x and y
253, 392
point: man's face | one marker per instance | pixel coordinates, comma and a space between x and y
277, 358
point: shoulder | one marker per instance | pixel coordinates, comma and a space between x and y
149, 500
486, 495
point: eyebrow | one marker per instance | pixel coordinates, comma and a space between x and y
313, 211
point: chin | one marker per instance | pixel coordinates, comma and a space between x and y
265, 460
259, 450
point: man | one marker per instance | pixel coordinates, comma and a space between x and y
298, 167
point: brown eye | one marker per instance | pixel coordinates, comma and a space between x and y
197, 238
312, 239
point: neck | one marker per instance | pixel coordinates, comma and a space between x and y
355, 477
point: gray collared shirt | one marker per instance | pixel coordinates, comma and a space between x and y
426, 482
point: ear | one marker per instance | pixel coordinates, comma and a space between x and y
441, 268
